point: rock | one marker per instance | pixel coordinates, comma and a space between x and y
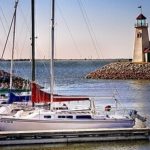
122, 70
17, 82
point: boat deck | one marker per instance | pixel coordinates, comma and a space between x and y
72, 136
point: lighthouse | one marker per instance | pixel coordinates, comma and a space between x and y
142, 43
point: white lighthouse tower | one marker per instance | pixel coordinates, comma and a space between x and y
142, 43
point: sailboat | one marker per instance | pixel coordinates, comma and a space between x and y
7, 93
13, 100
59, 118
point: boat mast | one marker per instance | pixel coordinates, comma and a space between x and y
33, 40
52, 52
13, 47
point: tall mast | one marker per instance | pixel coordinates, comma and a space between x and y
52, 51
13, 47
33, 41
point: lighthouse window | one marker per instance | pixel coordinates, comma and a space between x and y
139, 35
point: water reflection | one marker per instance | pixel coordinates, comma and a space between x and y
119, 145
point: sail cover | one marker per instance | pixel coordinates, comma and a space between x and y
18, 98
39, 96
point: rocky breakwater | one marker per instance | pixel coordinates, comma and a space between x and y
17, 82
122, 70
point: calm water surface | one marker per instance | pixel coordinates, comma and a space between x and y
132, 145
70, 79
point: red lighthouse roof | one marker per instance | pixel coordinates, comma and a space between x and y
141, 17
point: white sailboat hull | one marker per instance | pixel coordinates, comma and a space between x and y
25, 124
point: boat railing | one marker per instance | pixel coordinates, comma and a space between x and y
74, 111
120, 111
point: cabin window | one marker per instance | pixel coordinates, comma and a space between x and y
70, 117
84, 117
47, 116
61, 116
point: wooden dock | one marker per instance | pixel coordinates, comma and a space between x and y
72, 136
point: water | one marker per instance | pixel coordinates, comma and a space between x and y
126, 145
70, 79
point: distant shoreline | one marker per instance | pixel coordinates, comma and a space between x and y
115, 59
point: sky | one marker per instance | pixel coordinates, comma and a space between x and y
84, 29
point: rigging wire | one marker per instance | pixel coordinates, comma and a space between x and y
4, 27
69, 30
26, 30
89, 26
40, 52
4, 18
93, 37
24, 18
13, 46
8, 36
92, 31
